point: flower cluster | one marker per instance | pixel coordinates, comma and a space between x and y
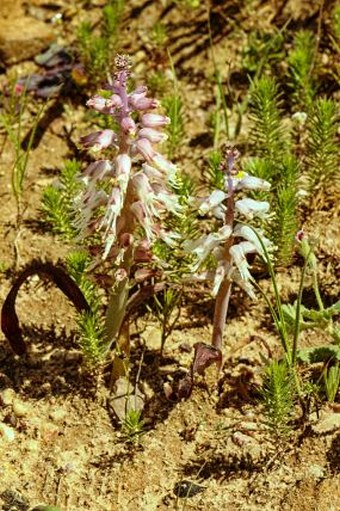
132, 190
231, 243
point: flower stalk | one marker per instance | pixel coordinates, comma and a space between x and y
126, 196
228, 246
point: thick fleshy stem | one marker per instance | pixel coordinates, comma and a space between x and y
224, 292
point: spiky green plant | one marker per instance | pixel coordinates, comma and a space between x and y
322, 151
268, 134
278, 395
133, 424
301, 66
90, 324
285, 218
58, 201
96, 47
275, 163
173, 105
174, 109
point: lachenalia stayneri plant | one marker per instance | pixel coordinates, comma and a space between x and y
226, 249
125, 198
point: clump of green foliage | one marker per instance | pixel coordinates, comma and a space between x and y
301, 65
279, 395
58, 201
263, 51
96, 45
322, 151
275, 163
91, 325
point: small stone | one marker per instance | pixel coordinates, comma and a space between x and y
20, 409
49, 431
316, 471
57, 415
327, 424
7, 396
22, 38
240, 439
32, 445
7, 432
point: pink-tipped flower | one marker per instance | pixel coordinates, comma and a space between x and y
154, 120
128, 125
99, 140
145, 149
152, 135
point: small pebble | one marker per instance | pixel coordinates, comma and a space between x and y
58, 415
240, 439
7, 432
20, 409
316, 471
7, 396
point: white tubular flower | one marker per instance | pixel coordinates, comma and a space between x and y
123, 168
215, 199
169, 202
152, 135
205, 245
238, 253
97, 170
247, 233
244, 284
251, 208
247, 182
165, 166
144, 193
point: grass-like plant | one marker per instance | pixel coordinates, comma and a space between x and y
301, 65
13, 118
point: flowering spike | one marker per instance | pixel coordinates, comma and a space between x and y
142, 190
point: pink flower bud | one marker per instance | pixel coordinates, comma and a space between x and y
98, 169
144, 147
142, 103
152, 135
100, 104
99, 140
154, 120
128, 125
123, 164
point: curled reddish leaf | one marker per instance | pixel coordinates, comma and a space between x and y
9, 320
205, 355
